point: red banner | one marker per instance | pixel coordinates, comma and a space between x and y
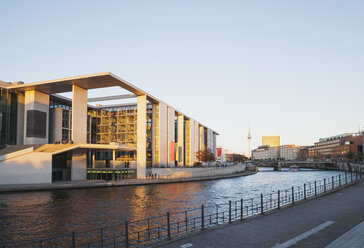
218, 152
171, 152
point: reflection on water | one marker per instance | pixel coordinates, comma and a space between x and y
36, 215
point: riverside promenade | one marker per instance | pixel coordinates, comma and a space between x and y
332, 220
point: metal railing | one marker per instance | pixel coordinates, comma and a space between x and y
173, 224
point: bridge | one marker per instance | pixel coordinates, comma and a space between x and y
324, 165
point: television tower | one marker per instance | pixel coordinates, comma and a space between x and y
249, 138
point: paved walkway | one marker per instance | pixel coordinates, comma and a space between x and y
334, 220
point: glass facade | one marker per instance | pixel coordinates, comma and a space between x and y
8, 117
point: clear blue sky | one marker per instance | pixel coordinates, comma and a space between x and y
293, 68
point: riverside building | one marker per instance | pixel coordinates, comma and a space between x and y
47, 137
338, 146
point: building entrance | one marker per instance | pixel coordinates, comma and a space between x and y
61, 167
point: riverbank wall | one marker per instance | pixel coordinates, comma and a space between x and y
210, 174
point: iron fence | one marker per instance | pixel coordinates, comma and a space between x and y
172, 224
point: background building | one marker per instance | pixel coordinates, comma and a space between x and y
265, 152
338, 146
271, 140
289, 152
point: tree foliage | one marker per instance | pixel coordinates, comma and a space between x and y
350, 155
205, 155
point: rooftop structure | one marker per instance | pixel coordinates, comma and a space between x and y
271, 140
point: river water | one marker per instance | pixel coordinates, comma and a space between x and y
35, 215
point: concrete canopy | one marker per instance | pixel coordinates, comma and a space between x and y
91, 81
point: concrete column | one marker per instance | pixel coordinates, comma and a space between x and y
202, 138
141, 135
190, 142
79, 114
78, 167
20, 120
181, 138
113, 159
214, 143
163, 134
197, 140
36, 118
171, 134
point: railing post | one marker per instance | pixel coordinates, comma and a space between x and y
126, 235
168, 225
315, 188
73, 239
351, 175
186, 219
261, 204
325, 185
346, 178
241, 209
332, 182
304, 193
279, 199
148, 229
230, 212
102, 238
292, 194
202, 218
339, 180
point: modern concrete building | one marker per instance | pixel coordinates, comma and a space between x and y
289, 152
47, 137
265, 152
271, 140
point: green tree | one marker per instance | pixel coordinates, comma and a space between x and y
350, 155
359, 156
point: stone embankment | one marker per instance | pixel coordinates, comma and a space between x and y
200, 175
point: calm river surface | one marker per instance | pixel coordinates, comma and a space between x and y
34, 215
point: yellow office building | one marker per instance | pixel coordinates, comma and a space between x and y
271, 140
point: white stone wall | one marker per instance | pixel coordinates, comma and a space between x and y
197, 140
79, 114
35, 100
35, 167
20, 120
55, 125
163, 134
202, 138
171, 134
192, 142
141, 135
180, 133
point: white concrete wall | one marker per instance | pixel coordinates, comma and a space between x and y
202, 138
163, 134
180, 133
171, 133
20, 120
35, 167
197, 140
192, 142
35, 100
79, 114
141, 135
55, 125
198, 172
79, 164
214, 143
